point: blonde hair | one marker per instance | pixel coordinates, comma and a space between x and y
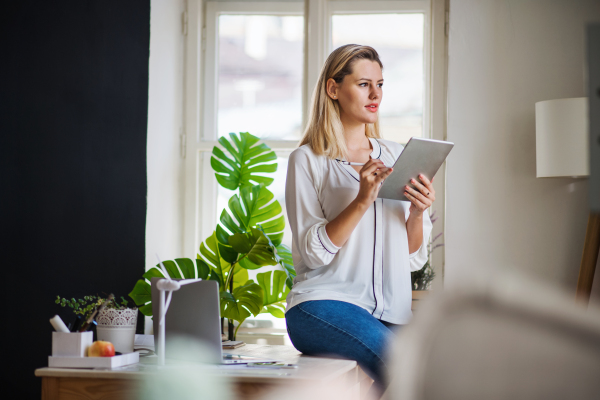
324, 131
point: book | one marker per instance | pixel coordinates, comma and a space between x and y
230, 344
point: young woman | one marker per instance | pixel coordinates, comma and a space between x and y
352, 252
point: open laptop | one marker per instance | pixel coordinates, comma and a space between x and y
194, 312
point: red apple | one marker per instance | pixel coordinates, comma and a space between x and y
101, 349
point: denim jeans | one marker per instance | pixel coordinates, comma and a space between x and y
337, 328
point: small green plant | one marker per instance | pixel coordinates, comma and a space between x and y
86, 306
421, 279
247, 237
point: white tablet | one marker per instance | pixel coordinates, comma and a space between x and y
420, 156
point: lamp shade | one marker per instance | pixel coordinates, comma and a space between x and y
561, 138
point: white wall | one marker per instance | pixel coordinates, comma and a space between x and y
164, 219
504, 56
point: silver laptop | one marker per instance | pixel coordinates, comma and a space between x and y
194, 312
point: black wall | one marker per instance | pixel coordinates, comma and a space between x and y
73, 116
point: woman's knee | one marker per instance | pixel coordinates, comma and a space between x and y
365, 343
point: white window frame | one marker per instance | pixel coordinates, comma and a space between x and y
200, 197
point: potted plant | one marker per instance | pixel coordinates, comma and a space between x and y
421, 279
116, 323
247, 237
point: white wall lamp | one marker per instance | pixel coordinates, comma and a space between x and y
562, 138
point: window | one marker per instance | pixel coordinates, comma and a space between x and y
259, 75
253, 82
252, 66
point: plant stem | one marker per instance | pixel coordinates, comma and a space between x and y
236, 329
231, 270
231, 332
230, 276
231, 280
229, 287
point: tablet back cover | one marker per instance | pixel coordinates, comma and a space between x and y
420, 156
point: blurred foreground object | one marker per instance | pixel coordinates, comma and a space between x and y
589, 259
593, 82
188, 374
500, 337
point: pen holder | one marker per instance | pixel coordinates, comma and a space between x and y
71, 344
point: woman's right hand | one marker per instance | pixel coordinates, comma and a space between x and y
372, 174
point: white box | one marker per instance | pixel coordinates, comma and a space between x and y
71, 344
94, 362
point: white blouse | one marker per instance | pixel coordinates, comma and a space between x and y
372, 269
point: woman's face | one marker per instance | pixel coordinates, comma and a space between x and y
359, 94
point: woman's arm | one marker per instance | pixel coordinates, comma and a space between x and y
414, 231
421, 200
371, 176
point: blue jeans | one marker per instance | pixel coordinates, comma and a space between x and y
330, 327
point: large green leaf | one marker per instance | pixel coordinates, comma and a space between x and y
141, 294
212, 251
204, 271
245, 163
190, 268
154, 272
146, 309
284, 257
171, 268
245, 300
253, 207
240, 276
247, 264
187, 268
255, 246
275, 292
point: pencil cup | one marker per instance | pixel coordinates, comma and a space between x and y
118, 327
71, 344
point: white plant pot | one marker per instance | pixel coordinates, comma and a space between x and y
118, 327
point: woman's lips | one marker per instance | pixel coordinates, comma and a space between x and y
372, 107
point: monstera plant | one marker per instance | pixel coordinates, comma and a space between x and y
247, 237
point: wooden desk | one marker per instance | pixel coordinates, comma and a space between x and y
247, 383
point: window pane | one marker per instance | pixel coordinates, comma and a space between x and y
260, 75
398, 38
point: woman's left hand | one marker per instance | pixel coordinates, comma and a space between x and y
423, 197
